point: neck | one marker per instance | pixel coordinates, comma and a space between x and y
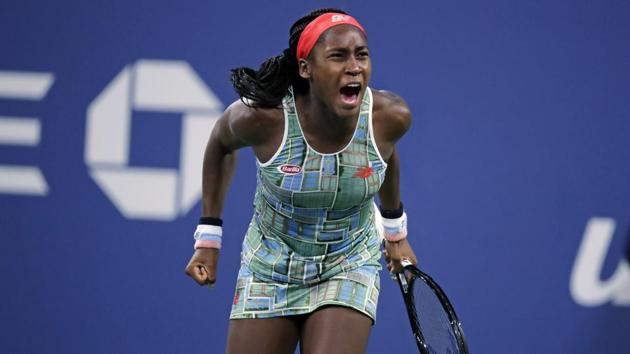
317, 116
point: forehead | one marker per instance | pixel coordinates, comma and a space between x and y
342, 36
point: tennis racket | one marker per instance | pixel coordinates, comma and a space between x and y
434, 323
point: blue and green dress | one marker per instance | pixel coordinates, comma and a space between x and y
312, 241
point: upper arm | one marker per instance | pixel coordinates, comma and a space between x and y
391, 120
395, 116
241, 126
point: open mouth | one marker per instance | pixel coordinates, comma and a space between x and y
350, 93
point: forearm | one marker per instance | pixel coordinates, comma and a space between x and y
219, 164
389, 194
240, 126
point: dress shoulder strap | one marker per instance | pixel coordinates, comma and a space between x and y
290, 115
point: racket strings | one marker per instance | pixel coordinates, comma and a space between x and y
433, 320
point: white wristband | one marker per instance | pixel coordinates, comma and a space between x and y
395, 229
208, 236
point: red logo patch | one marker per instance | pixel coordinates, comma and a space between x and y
236, 297
290, 169
364, 172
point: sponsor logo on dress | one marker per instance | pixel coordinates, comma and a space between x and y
363, 172
236, 298
290, 169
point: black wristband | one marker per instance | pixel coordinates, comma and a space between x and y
209, 220
391, 213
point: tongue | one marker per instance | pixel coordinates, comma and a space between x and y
348, 97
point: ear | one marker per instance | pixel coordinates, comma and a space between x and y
304, 69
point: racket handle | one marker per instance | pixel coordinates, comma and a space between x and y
403, 282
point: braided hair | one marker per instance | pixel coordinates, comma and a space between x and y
265, 87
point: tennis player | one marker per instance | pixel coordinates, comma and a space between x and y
325, 145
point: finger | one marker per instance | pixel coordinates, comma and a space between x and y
386, 256
392, 273
210, 275
396, 266
191, 271
200, 275
410, 258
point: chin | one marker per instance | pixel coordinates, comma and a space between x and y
348, 111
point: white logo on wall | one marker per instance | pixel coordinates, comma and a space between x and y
22, 131
159, 86
586, 286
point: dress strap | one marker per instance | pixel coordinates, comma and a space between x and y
290, 114
371, 138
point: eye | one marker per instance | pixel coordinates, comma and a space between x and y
363, 54
335, 55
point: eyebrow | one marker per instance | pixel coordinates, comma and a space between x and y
345, 49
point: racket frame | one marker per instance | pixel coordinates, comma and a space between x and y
406, 286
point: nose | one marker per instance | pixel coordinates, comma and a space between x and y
352, 66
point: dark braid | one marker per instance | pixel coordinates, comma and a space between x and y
266, 87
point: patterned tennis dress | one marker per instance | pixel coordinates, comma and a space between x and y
312, 240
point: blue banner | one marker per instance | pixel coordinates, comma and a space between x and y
515, 173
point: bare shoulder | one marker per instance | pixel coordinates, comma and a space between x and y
391, 115
251, 126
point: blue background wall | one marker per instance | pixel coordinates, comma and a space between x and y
521, 137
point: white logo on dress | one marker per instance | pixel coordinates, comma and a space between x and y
290, 169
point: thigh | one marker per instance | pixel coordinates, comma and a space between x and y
278, 335
335, 330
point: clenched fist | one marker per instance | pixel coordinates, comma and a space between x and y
202, 266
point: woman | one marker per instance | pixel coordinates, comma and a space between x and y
325, 144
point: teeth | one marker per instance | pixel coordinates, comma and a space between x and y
354, 85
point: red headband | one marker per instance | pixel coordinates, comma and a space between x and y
313, 30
